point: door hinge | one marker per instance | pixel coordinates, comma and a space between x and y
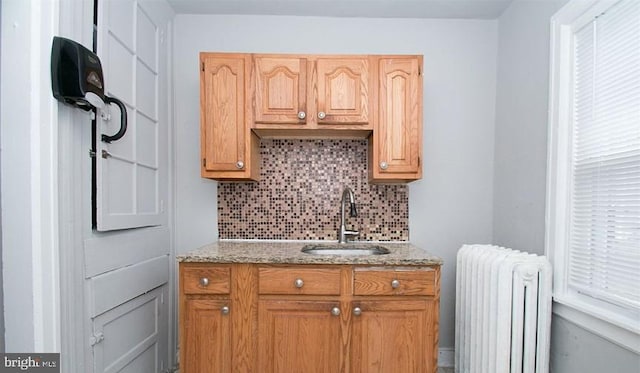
92, 153
96, 338
419, 71
204, 162
418, 161
202, 66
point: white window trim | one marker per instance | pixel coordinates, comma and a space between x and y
620, 330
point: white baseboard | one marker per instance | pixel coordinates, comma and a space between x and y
446, 356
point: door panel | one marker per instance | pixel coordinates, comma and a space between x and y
147, 190
109, 252
116, 287
392, 337
145, 362
132, 335
147, 46
121, 196
343, 90
146, 91
223, 112
299, 336
121, 20
131, 173
147, 151
281, 85
398, 129
118, 64
208, 346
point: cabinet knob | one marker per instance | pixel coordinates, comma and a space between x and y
395, 284
298, 283
239, 165
225, 310
357, 311
302, 115
204, 281
335, 311
384, 165
322, 115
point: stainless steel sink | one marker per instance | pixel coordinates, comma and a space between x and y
344, 249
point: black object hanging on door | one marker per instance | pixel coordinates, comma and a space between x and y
77, 80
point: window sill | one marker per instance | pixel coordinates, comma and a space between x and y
622, 336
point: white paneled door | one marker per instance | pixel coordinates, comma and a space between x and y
131, 172
127, 262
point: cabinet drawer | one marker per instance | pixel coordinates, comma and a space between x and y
368, 281
205, 279
310, 281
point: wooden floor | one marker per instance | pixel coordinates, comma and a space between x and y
440, 370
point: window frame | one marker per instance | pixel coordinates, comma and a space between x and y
608, 321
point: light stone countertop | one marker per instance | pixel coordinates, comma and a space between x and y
288, 252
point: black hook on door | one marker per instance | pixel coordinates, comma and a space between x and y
123, 120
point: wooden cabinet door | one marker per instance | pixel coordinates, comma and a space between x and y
342, 91
397, 138
207, 339
299, 336
224, 127
394, 336
280, 92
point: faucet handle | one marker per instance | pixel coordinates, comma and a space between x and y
352, 210
351, 233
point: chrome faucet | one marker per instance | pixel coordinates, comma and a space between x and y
343, 232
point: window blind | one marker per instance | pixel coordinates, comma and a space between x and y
604, 233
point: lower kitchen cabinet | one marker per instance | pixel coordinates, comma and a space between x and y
308, 318
207, 329
392, 336
299, 336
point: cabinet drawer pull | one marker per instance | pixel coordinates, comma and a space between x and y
395, 284
225, 310
384, 165
322, 115
298, 283
335, 311
357, 311
204, 282
302, 115
239, 165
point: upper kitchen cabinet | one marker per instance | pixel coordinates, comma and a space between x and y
229, 148
312, 92
342, 91
244, 97
396, 145
281, 90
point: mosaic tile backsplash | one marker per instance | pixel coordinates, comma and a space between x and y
298, 196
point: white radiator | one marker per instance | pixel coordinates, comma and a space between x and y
503, 311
